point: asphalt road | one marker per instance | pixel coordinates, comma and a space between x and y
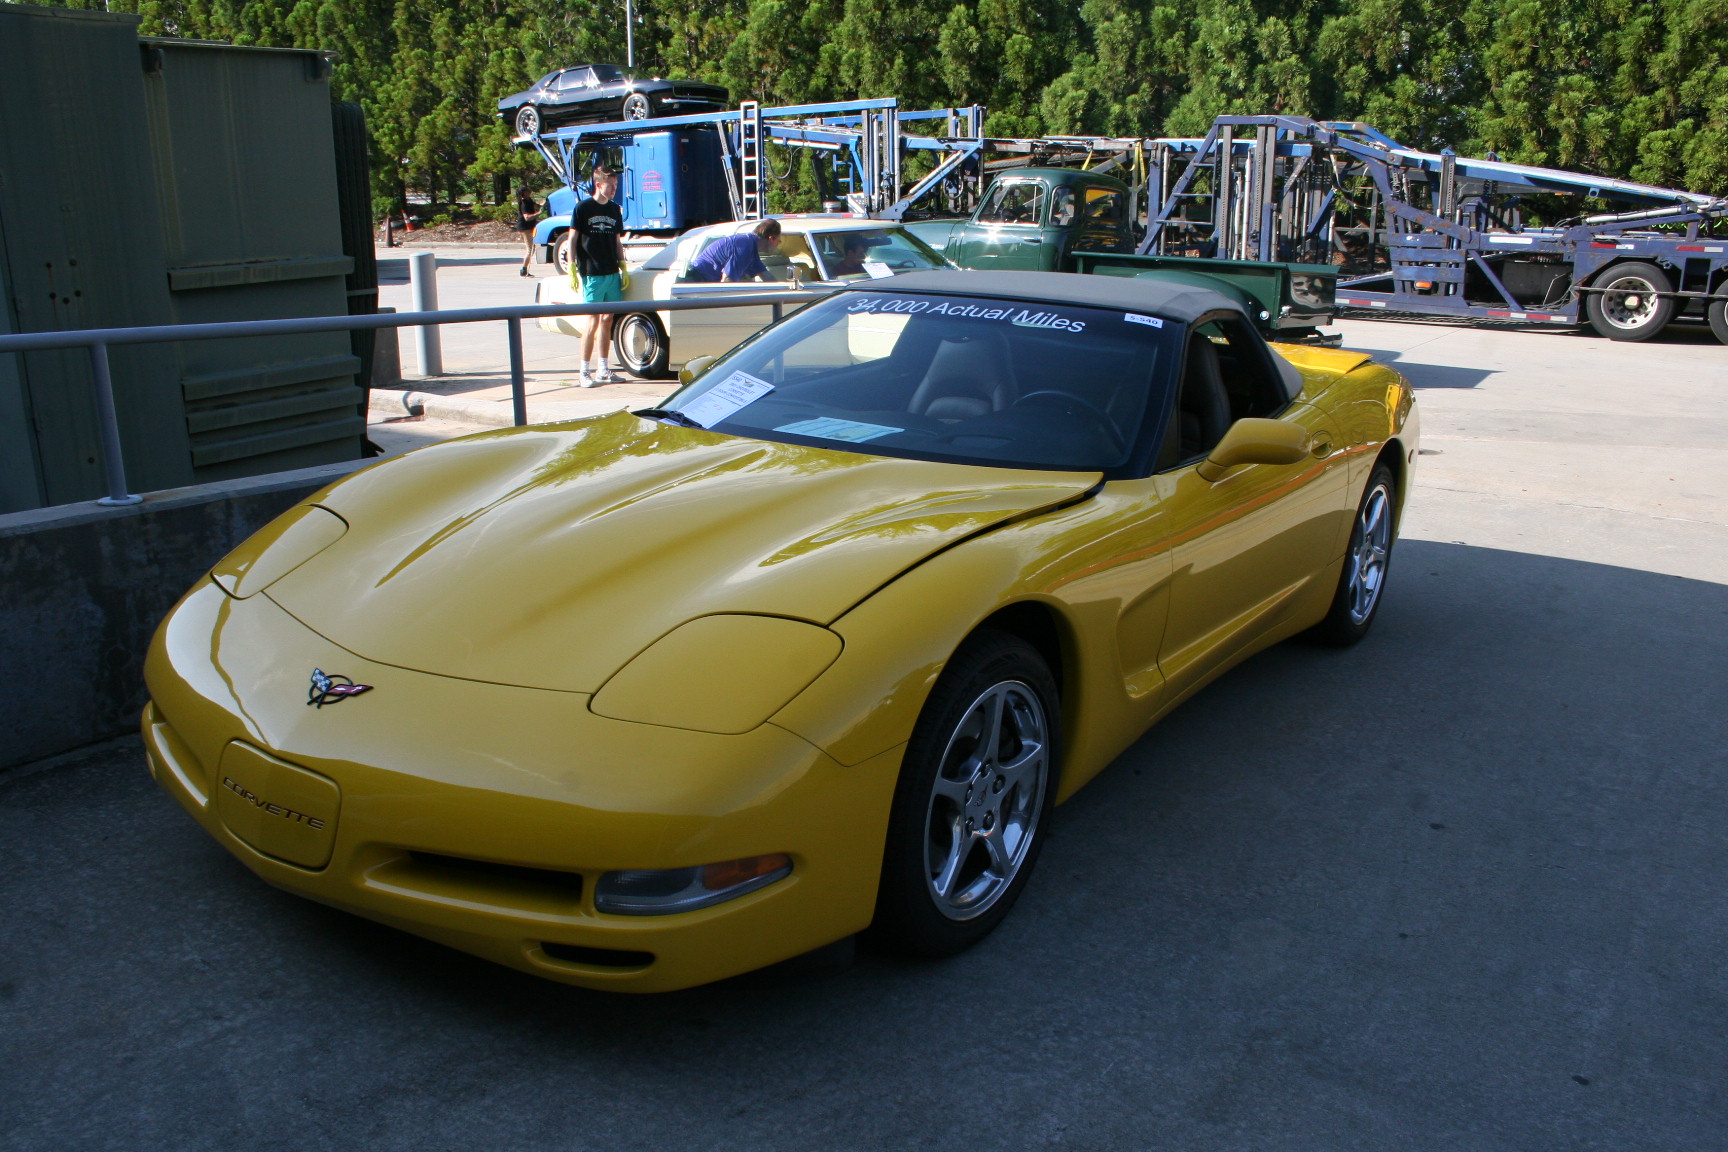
1460, 887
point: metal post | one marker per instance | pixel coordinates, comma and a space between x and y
629, 40
518, 381
1223, 205
108, 423
423, 284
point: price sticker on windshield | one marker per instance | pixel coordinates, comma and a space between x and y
725, 398
1149, 321
878, 270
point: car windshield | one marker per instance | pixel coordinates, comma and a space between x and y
858, 253
940, 377
605, 73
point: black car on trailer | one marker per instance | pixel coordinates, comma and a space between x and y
600, 93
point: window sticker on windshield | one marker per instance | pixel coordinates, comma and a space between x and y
725, 398
1149, 321
877, 269
833, 428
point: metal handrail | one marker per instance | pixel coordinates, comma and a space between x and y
98, 340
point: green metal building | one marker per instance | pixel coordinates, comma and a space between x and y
147, 181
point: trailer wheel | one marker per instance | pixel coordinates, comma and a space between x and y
1717, 311
642, 345
1628, 307
561, 257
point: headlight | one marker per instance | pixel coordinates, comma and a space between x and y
661, 891
724, 673
277, 549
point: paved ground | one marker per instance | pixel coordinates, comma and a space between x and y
1457, 888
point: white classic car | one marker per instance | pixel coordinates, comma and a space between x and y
816, 252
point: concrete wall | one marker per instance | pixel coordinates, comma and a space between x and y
82, 588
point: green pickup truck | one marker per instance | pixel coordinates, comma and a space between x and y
1036, 220
1071, 220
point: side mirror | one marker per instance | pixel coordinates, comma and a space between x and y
1255, 441
694, 368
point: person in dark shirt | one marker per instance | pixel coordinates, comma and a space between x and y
598, 225
737, 257
527, 212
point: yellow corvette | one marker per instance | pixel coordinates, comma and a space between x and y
652, 699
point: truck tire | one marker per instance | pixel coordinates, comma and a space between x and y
1629, 308
1717, 311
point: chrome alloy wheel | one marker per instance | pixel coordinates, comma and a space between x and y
1370, 548
985, 806
1630, 302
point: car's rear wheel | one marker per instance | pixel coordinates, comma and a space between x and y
642, 345
636, 106
527, 121
973, 803
1629, 306
1361, 584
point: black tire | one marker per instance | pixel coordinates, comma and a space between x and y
1629, 308
642, 345
1717, 312
561, 258
1362, 584
635, 107
985, 813
528, 121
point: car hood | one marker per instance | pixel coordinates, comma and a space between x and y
547, 557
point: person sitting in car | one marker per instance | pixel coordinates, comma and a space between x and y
851, 262
737, 257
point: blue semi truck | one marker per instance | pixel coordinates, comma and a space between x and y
668, 183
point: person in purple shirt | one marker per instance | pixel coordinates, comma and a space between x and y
737, 257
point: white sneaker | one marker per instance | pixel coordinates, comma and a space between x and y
583, 380
607, 376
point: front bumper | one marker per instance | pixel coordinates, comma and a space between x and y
481, 815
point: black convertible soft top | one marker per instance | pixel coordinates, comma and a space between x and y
1184, 303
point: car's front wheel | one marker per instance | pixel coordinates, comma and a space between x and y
1363, 581
973, 803
642, 345
636, 106
527, 121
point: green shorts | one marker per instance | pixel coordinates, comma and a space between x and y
601, 289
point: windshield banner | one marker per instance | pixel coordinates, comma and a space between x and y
912, 305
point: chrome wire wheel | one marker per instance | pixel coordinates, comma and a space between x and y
1630, 302
987, 800
1370, 548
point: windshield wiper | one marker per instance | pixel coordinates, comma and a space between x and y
669, 416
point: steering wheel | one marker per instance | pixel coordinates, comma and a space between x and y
1084, 405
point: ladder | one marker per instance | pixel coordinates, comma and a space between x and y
752, 196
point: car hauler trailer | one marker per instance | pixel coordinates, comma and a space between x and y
1438, 234
680, 172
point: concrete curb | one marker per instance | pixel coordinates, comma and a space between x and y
496, 413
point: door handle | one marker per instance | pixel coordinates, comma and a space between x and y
1322, 446
1031, 240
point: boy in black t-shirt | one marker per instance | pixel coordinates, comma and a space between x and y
597, 225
